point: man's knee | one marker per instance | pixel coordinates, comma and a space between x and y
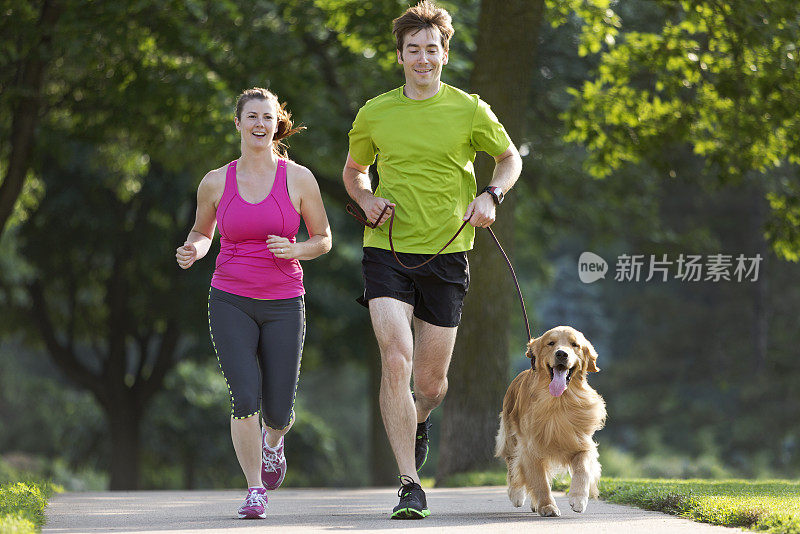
395, 367
430, 388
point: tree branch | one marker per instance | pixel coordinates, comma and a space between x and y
26, 112
63, 357
165, 361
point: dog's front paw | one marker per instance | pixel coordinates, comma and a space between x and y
578, 502
549, 510
516, 496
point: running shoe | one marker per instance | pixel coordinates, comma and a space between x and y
421, 443
255, 505
273, 463
413, 504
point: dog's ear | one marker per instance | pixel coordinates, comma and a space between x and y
591, 356
534, 346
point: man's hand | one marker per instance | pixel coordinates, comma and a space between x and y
373, 206
481, 211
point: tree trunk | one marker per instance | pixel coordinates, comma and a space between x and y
478, 376
761, 285
189, 469
383, 467
124, 420
25, 116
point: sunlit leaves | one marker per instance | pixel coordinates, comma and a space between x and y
600, 23
721, 77
722, 74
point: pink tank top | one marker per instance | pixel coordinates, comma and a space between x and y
245, 266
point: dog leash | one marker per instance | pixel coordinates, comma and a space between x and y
352, 210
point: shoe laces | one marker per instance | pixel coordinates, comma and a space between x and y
408, 484
254, 498
272, 459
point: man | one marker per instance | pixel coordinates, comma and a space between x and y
425, 134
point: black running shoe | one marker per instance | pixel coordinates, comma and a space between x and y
413, 504
421, 442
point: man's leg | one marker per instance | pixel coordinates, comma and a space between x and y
433, 349
391, 321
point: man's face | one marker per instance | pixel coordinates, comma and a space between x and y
422, 57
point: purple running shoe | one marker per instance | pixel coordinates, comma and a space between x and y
273, 463
255, 505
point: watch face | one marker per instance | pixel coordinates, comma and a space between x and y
498, 194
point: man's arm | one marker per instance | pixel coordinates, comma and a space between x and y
481, 212
357, 183
507, 168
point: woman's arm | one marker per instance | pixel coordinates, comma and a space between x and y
205, 222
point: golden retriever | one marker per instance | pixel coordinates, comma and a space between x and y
549, 416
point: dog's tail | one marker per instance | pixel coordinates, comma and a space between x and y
506, 441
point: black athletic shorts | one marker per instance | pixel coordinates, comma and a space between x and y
436, 290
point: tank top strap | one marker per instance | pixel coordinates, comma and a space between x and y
230, 179
281, 186
228, 194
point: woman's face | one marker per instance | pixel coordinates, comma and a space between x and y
258, 123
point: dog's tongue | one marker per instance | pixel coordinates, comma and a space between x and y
559, 383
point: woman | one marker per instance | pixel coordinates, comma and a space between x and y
256, 309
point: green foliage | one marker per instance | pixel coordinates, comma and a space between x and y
473, 478
112, 212
22, 506
771, 506
720, 78
66, 445
599, 23
783, 228
661, 464
316, 451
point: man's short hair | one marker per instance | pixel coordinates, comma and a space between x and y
423, 16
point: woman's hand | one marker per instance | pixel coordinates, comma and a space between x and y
186, 255
282, 248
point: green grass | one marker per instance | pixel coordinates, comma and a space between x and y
22, 506
762, 505
767, 506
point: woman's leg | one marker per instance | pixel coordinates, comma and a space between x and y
246, 437
280, 351
234, 334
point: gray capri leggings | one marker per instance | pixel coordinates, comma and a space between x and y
259, 344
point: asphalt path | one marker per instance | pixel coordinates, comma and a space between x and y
456, 510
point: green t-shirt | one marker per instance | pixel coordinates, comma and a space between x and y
425, 149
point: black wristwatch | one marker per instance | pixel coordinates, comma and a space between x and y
496, 192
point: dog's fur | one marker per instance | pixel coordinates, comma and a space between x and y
541, 434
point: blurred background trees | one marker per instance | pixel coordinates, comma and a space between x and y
646, 127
